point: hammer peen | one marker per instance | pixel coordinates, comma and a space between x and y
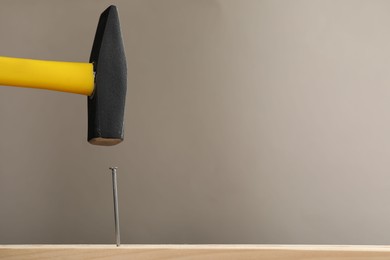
103, 79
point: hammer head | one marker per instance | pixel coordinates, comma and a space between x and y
107, 103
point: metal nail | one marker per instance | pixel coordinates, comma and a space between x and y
116, 209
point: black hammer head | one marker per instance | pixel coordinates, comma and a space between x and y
107, 103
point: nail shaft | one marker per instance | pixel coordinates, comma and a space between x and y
116, 209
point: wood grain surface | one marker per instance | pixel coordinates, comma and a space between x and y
190, 252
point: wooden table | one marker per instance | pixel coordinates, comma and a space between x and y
190, 252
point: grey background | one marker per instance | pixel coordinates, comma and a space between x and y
246, 122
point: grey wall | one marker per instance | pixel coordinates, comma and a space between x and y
246, 122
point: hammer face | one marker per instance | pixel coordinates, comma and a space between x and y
107, 103
105, 141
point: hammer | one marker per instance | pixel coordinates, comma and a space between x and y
103, 80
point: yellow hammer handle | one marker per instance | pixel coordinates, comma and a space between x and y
73, 77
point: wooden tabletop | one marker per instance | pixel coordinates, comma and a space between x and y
190, 252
